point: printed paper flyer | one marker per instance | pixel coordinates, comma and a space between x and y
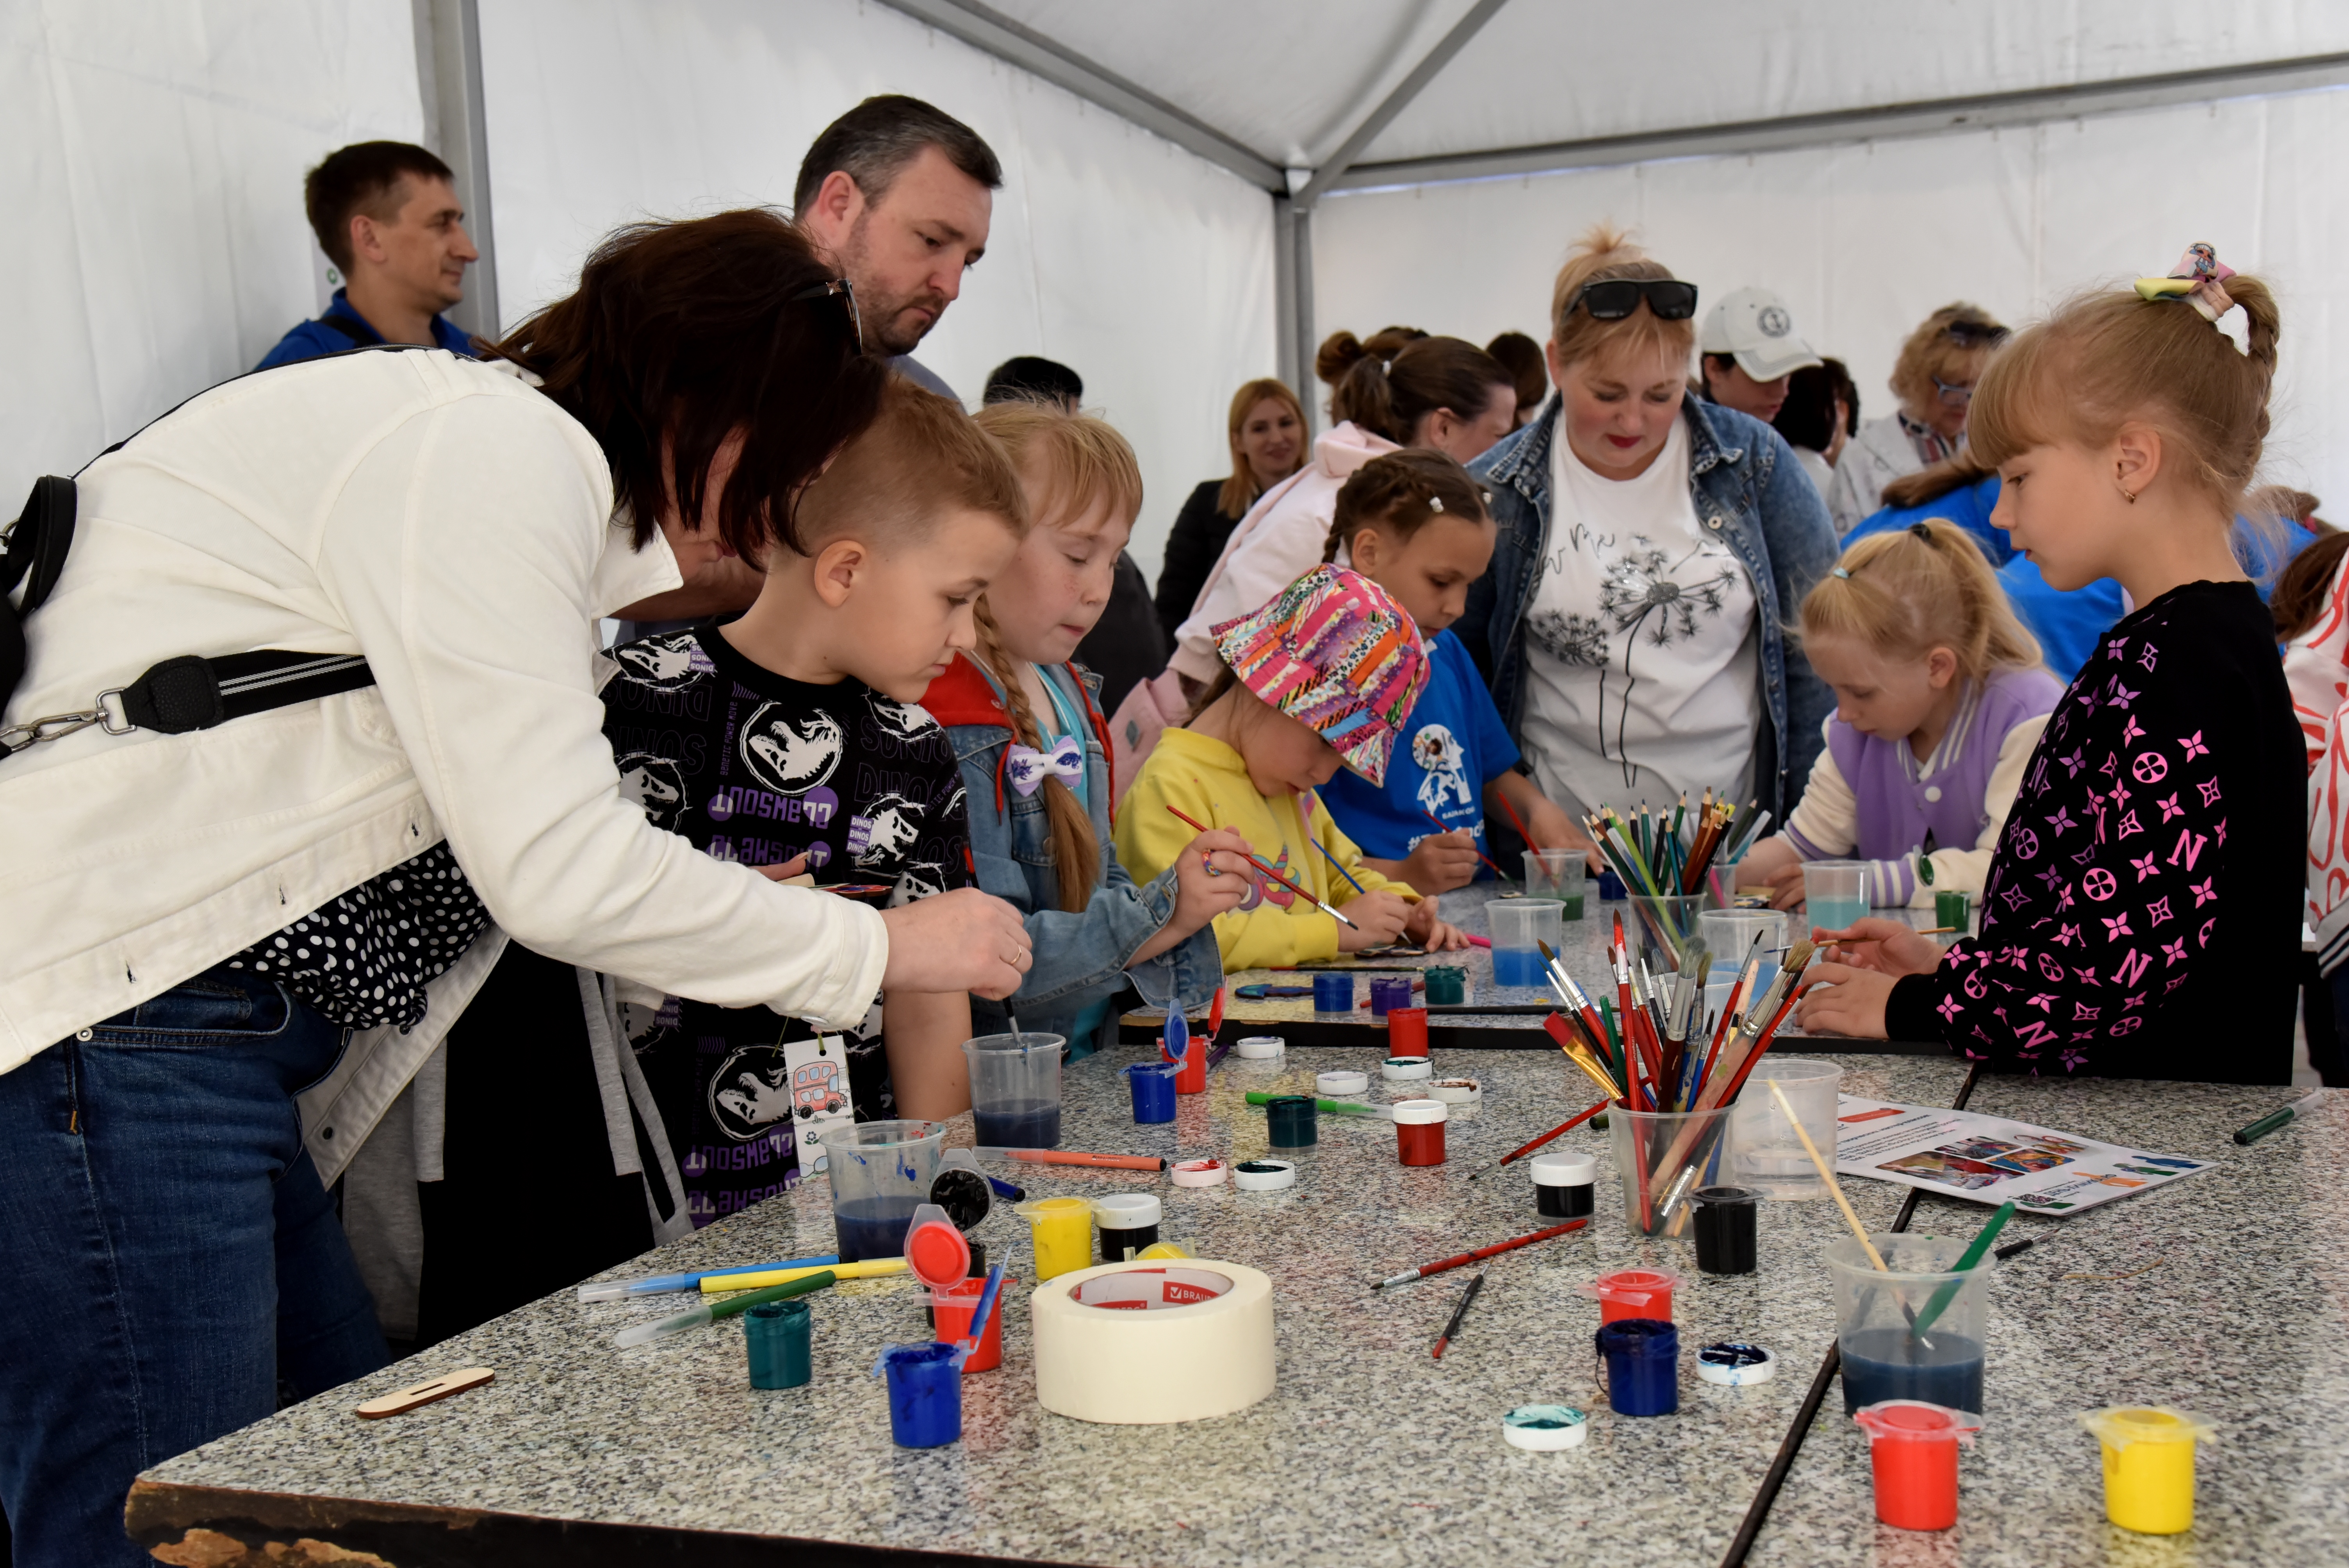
1991, 1161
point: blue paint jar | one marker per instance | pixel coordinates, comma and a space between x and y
925, 1395
1387, 994
776, 1335
1610, 886
1152, 1084
1333, 994
1643, 1365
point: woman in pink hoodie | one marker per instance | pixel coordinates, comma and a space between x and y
1437, 392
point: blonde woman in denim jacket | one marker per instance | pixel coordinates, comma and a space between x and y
1632, 624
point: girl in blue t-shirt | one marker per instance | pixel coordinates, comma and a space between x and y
1414, 524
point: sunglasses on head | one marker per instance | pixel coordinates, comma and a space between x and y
847, 295
1970, 334
1612, 299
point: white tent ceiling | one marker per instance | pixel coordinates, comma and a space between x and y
1290, 80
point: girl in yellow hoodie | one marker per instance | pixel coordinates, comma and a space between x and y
1322, 677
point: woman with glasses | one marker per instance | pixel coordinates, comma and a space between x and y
1934, 380
1652, 549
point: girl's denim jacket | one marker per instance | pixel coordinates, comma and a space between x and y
1081, 956
1748, 488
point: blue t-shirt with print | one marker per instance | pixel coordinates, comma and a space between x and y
1452, 745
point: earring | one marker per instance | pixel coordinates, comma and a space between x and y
2127, 494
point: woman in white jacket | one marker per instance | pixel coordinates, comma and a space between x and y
199, 923
1437, 392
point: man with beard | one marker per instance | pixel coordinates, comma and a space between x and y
899, 194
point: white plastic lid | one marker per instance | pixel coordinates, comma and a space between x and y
1264, 1175
1394, 1069
1734, 1364
1260, 1047
1420, 1112
1456, 1091
1544, 1429
1337, 1083
1127, 1211
1567, 1167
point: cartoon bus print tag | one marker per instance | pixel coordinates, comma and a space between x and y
819, 1096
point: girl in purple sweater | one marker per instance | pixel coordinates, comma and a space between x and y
2141, 918
1939, 699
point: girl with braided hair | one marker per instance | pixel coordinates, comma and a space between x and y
1027, 729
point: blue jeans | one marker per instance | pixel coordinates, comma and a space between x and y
174, 1255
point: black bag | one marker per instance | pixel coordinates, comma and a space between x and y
37, 542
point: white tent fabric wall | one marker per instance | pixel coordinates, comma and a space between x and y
1863, 241
153, 181
1146, 268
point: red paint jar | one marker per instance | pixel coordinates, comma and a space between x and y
954, 1309
1192, 1076
1913, 1448
1407, 1032
1633, 1292
1419, 1131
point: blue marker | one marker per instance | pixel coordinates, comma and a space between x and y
654, 1284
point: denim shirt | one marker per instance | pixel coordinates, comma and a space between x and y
1748, 487
1081, 956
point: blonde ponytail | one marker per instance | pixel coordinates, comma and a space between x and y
1926, 586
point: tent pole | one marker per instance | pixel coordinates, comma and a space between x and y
448, 61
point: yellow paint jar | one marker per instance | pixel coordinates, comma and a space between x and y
1063, 1231
2148, 1465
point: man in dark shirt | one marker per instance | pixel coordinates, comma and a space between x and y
387, 215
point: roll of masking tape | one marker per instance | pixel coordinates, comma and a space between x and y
1264, 1175
1200, 1173
1139, 1344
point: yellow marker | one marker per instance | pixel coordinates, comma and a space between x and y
2149, 1467
1062, 1230
871, 1268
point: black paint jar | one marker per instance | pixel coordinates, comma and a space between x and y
1724, 1229
1563, 1184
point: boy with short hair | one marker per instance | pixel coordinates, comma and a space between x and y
794, 736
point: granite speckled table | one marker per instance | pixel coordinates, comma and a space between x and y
1368, 1452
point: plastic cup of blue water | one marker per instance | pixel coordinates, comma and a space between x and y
1015, 1090
1835, 894
1729, 935
925, 1395
1152, 1084
1879, 1316
1516, 926
881, 1173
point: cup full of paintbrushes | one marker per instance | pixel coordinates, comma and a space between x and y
1662, 1157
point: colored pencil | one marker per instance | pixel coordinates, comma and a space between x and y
1480, 1254
1265, 867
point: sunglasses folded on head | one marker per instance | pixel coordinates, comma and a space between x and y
1973, 335
1612, 299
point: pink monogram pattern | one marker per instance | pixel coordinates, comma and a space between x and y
2105, 889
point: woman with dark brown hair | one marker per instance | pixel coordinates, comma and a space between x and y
1390, 392
213, 912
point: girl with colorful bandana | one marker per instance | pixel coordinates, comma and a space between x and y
1322, 677
1027, 730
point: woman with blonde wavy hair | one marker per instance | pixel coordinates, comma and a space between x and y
1652, 548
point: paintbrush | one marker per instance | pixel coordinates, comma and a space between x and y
1519, 1152
1441, 828
1459, 1312
1340, 870
1265, 867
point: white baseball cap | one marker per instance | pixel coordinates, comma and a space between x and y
1755, 326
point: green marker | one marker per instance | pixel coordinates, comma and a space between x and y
723, 1306
2274, 1119
1972, 1256
1333, 1107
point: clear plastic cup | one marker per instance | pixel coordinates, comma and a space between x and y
1834, 893
1663, 1155
1669, 922
1557, 876
1879, 1315
1763, 1144
1728, 934
1015, 1090
881, 1173
1516, 925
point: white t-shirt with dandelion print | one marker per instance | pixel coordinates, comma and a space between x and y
1641, 653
